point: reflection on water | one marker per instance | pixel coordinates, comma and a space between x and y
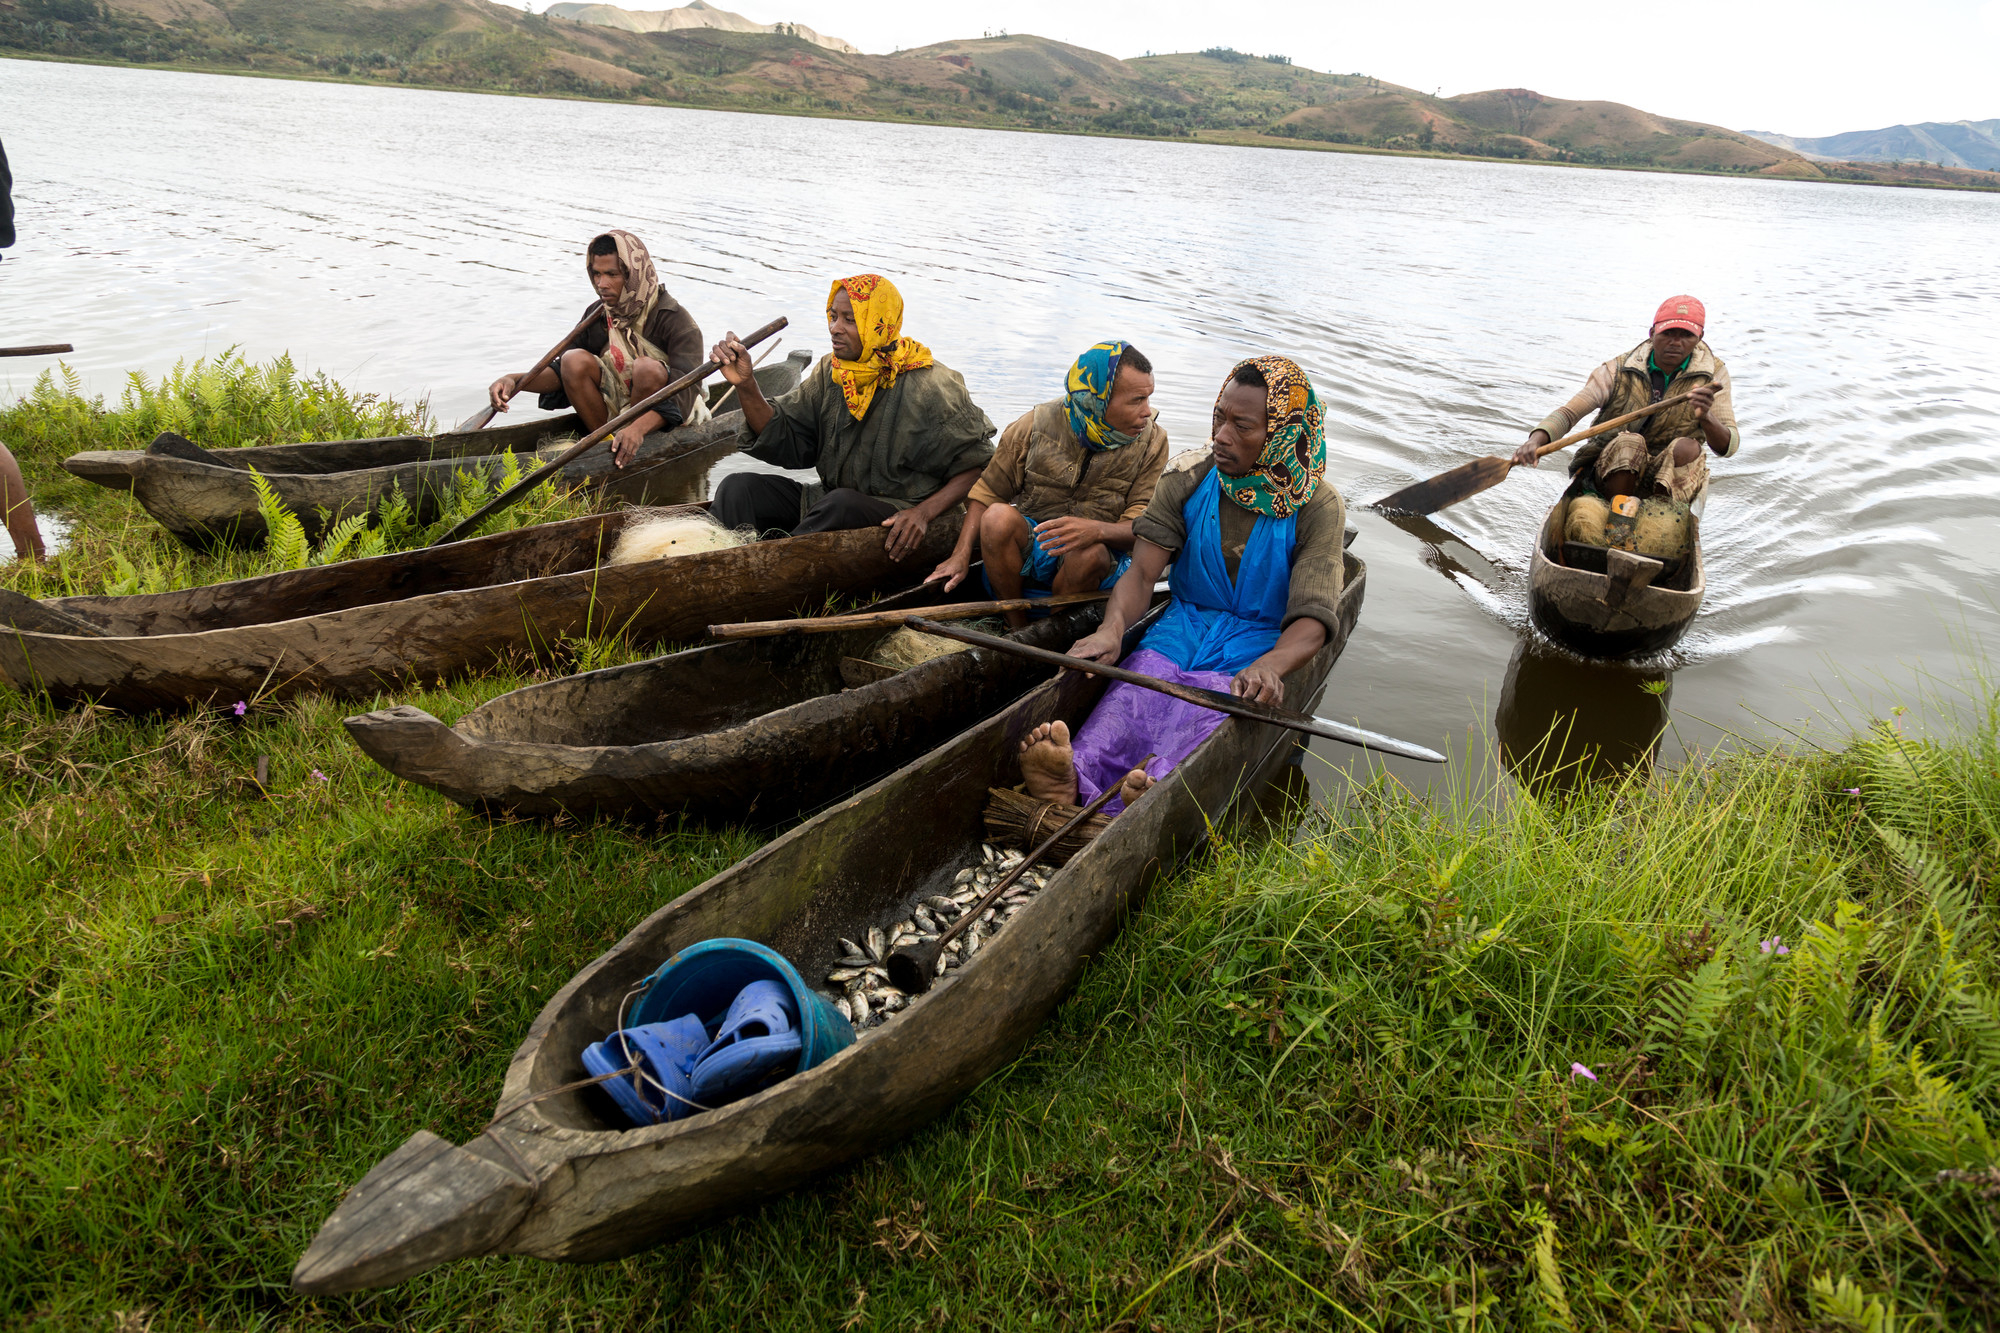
1563, 721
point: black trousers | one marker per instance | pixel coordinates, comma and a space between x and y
770, 505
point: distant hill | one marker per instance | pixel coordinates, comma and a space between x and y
1014, 82
695, 15
1958, 143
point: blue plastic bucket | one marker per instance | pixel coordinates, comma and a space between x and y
703, 979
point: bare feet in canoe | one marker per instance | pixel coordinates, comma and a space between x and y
1135, 784
1048, 764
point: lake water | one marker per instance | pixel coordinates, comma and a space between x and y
419, 243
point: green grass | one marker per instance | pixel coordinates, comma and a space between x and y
1323, 1080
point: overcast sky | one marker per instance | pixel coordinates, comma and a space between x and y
1748, 65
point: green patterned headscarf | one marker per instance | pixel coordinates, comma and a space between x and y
1287, 473
1088, 393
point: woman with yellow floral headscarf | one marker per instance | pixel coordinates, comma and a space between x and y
1255, 536
894, 435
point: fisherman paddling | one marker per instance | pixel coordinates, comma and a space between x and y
1665, 456
1255, 536
645, 341
1053, 511
893, 433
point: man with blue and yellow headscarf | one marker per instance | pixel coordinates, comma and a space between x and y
896, 439
1053, 511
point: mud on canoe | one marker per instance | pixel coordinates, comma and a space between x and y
554, 1176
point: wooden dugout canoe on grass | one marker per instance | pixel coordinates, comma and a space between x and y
755, 730
205, 504
360, 626
1612, 604
559, 1179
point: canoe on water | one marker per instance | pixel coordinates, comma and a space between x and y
115, 468
206, 503
753, 730
1612, 604
356, 627
556, 1177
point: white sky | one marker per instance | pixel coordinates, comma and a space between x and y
1794, 68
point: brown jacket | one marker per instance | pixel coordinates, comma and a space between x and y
671, 329
1043, 471
1622, 385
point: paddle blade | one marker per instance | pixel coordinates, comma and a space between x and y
1461, 483
477, 421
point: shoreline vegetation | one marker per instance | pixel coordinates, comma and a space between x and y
1218, 96
1705, 1049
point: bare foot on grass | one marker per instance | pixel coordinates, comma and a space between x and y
1048, 764
1135, 784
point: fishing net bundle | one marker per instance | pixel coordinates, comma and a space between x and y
1016, 819
1663, 529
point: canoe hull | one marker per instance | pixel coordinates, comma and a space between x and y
1585, 613
748, 748
485, 622
600, 1192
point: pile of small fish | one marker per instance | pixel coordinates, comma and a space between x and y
860, 981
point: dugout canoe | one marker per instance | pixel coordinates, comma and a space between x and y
555, 1177
1612, 604
359, 626
115, 468
753, 730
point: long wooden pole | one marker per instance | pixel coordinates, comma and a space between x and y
764, 629
43, 349
608, 429
1220, 702
1469, 479
478, 420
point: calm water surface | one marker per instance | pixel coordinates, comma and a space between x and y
418, 243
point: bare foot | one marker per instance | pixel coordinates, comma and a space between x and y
1135, 784
1048, 763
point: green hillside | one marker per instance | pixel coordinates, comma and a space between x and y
1015, 82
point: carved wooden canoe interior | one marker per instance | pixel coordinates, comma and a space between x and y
1634, 607
558, 1178
754, 730
358, 626
113, 468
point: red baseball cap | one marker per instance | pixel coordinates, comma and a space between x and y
1680, 312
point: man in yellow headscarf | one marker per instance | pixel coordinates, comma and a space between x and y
894, 435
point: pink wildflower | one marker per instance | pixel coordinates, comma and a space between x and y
317, 774
1578, 1069
241, 708
1776, 945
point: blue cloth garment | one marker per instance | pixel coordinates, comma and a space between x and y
1212, 624
1038, 567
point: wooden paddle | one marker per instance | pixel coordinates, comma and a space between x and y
764, 629
1469, 479
1221, 703
478, 420
604, 432
45, 349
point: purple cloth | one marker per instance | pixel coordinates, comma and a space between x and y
1131, 722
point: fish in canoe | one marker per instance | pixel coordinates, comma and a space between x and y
752, 730
1605, 602
555, 1174
359, 626
115, 468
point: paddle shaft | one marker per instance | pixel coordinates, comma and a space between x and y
478, 420
764, 629
676, 456
919, 964
1215, 699
1613, 424
1470, 478
608, 429
44, 349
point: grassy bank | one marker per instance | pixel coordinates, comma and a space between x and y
1715, 1050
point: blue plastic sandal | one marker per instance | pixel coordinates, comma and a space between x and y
757, 1043
665, 1052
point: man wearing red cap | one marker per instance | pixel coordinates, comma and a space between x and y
1664, 455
